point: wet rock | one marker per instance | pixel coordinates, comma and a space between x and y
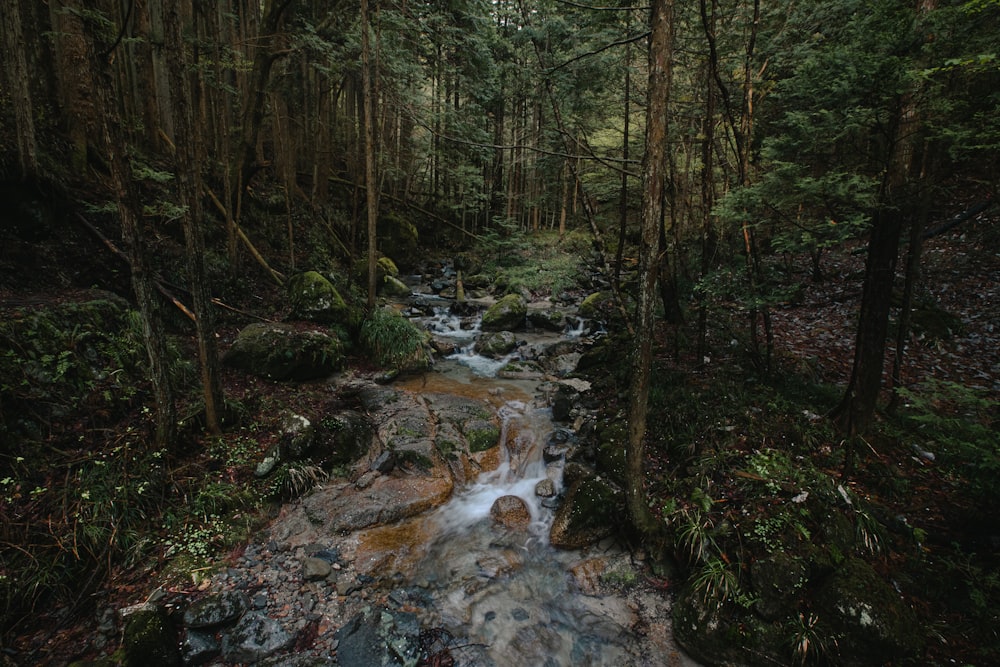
511, 512
499, 563
506, 314
198, 647
255, 638
215, 610
563, 402
549, 319
384, 462
496, 344
521, 370
379, 639
315, 569
394, 287
283, 352
150, 639
590, 512
342, 437
545, 488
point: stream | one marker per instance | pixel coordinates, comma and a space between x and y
513, 599
407, 565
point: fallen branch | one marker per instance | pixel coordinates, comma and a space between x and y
277, 276
120, 253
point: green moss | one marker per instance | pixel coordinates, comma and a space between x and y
481, 434
313, 297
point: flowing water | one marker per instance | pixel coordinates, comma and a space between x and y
507, 597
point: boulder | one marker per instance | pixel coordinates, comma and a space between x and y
379, 638
312, 297
255, 638
395, 288
594, 305
215, 610
342, 437
496, 344
590, 512
150, 639
777, 579
284, 352
872, 624
549, 319
511, 512
506, 314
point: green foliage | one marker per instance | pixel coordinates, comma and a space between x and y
957, 424
717, 583
540, 263
392, 340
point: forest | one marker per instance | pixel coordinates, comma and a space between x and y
775, 223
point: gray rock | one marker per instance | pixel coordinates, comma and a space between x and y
496, 344
315, 569
215, 610
255, 638
198, 647
378, 639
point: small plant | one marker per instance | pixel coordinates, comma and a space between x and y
392, 340
809, 646
717, 582
868, 530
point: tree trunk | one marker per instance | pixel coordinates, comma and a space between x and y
129, 211
371, 184
653, 179
856, 410
18, 80
187, 161
253, 111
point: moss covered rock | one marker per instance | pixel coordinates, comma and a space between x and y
150, 639
496, 344
872, 623
394, 287
591, 511
314, 298
593, 306
506, 314
284, 352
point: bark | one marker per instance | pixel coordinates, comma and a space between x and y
371, 184
18, 80
187, 161
253, 116
653, 179
136, 244
856, 410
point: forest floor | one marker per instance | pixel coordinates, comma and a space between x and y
959, 341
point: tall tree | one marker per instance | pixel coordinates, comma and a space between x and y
371, 182
130, 214
187, 171
18, 81
654, 174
